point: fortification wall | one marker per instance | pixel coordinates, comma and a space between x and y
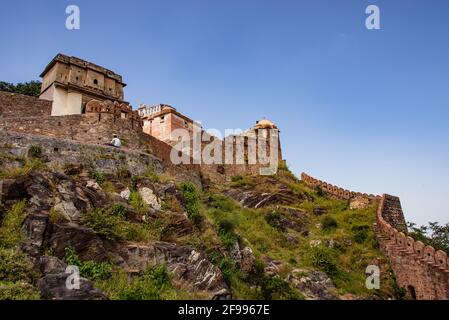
19, 105
333, 190
420, 269
89, 128
59, 152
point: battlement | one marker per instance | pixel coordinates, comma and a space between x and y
421, 269
333, 190
122, 110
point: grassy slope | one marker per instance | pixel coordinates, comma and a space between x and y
225, 221
354, 246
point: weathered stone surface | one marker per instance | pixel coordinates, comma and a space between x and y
316, 285
243, 257
359, 202
150, 198
125, 194
292, 239
84, 241
254, 199
34, 228
50, 264
53, 287
319, 211
191, 269
272, 267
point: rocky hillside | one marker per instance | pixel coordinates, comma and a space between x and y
148, 237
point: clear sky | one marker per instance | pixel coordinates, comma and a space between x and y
363, 109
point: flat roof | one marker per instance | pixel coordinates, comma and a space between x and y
83, 64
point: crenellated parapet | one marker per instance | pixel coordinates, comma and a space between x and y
121, 110
333, 190
422, 270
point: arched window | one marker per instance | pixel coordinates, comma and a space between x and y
412, 292
95, 81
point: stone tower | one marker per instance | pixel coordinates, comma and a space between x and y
161, 120
71, 82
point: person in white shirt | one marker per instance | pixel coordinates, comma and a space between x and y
115, 142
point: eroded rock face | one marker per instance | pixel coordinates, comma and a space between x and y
359, 202
53, 287
254, 199
177, 224
84, 241
191, 269
150, 198
243, 257
316, 285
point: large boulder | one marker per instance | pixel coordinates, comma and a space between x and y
359, 202
150, 198
53, 287
316, 285
243, 257
86, 243
190, 268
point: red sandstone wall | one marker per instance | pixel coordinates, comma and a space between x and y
19, 105
420, 269
333, 190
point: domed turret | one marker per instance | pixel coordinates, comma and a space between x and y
265, 124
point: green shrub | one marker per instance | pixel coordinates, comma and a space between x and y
152, 175
99, 177
88, 269
360, 233
242, 181
32, 164
320, 192
221, 203
225, 264
10, 233
274, 288
361, 236
328, 223
15, 266
273, 218
119, 210
191, 202
56, 216
323, 260
111, 224
154, 284
18, 291
122, 173
35, 151
136, 201
102, 222
226, 233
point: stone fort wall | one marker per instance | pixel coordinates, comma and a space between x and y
421, 270
333, 190
59, 152
15, 104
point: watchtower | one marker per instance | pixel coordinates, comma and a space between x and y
71, 82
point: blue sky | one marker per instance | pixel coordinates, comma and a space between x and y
363, 109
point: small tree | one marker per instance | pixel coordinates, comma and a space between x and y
32, 88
